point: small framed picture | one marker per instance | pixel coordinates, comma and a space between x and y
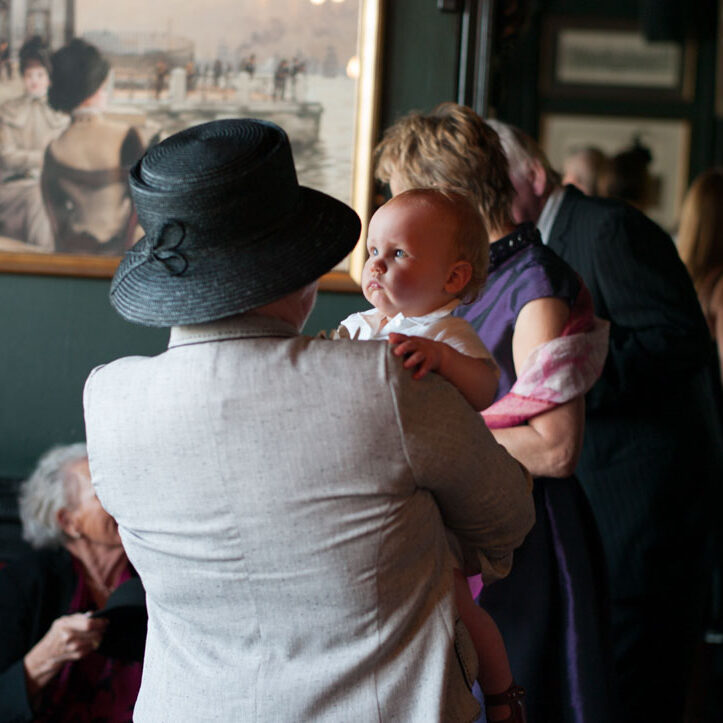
583, 59
668, 142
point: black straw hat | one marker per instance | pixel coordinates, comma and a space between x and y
228, 227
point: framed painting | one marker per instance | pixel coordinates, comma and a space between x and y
613, 59
667, 140
312, 66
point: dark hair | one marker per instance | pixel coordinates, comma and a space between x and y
34, 50
78, 70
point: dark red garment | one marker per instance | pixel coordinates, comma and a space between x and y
95, 688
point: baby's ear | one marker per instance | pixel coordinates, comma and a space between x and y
458, 278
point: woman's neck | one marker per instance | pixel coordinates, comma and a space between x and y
103, 565
498, 233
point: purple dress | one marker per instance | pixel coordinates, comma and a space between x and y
552, 608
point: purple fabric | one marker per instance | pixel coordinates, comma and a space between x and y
522, 269
552, 608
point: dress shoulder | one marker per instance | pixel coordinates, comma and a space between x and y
533, 273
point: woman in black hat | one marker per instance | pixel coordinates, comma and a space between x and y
27, 125
85, 171
288, 525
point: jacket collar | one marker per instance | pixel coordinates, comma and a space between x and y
242, 326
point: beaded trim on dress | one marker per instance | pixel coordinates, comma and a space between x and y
526, 234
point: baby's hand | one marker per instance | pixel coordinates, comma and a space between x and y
419, 352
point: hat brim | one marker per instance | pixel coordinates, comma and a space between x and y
226, 279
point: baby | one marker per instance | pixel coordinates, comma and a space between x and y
428, 252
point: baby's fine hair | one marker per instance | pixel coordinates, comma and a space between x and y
469, 234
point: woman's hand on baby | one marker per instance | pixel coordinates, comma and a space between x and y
424, 354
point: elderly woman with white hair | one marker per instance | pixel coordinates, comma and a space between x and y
52, 662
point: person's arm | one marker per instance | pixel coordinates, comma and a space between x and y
716, 309
475, 378
16, 623
549, 444
27, 666
483, 494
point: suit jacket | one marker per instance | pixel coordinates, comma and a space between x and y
284, 500
650, 419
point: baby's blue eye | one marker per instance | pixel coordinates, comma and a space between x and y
399, 254
373, 251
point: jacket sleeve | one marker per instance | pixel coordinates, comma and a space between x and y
483, 494
657, 331
15, 641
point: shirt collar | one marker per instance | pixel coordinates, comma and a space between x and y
374, 318
549, 213
241, 326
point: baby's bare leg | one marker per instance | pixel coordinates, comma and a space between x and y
494, 675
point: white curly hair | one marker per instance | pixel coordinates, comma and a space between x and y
46, 492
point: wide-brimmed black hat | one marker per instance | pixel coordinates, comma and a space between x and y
77, 71
228, 227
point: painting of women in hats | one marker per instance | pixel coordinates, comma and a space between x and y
27, 125
125, 76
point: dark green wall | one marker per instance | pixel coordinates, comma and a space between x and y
54, 330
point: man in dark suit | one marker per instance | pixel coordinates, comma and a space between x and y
651, 453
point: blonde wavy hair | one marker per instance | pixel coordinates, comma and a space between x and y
470, 241
700, 235
49, 489
452, 149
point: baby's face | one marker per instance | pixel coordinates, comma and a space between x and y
411, 255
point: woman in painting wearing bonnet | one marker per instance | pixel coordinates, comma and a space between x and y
27, 125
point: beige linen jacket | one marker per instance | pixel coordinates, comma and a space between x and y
285, 500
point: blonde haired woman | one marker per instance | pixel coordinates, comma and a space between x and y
700, 243
551, 609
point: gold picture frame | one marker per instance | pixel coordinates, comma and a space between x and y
345, 121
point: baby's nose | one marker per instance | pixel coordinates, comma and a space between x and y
378, 266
